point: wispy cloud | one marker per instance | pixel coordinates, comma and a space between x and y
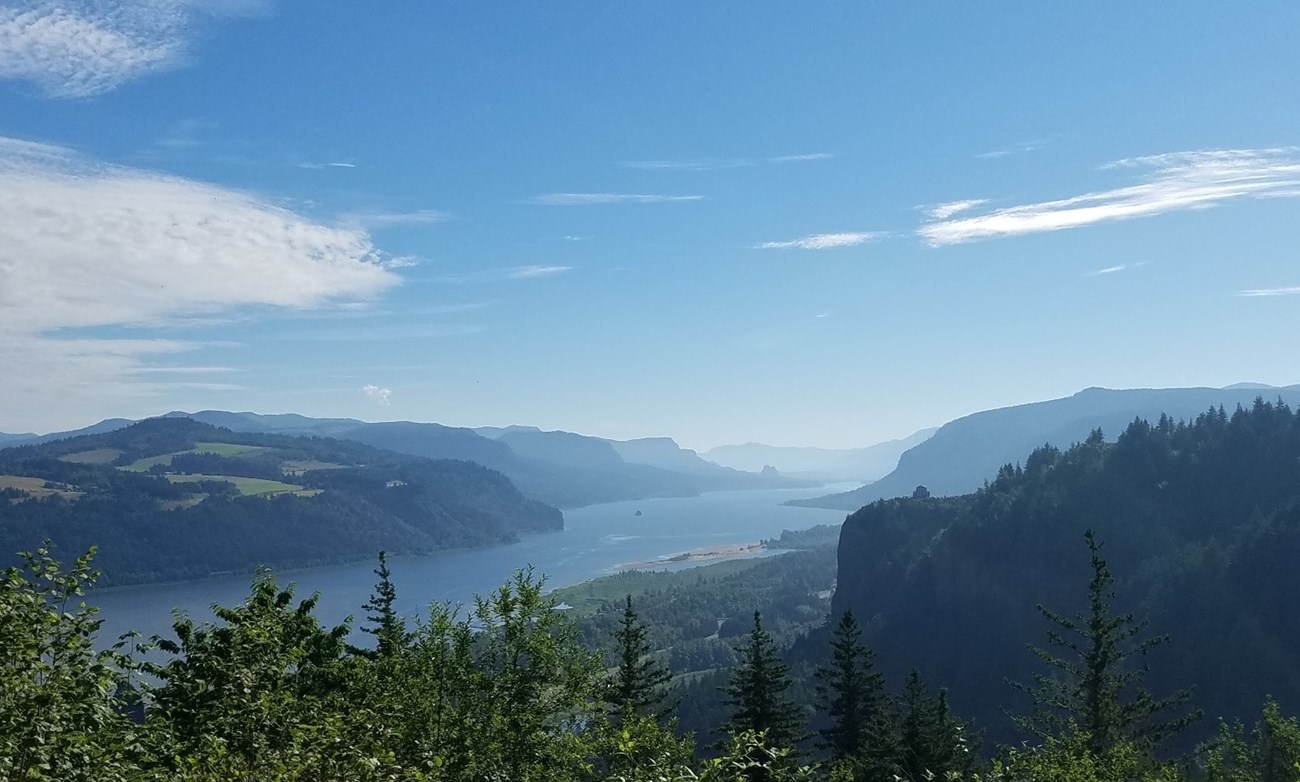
387, 219
945, 210
715, 163
532, 272
1013, 149
1260, 292
1179, 181
319, 166
79, 48
822, 241
85, 245
380, 396
593, 199
1123, 267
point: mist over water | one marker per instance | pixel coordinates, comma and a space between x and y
596, 540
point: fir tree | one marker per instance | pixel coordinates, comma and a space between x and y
852, 694
383, 621
933, 743
1094, 687
757, 697
639, 684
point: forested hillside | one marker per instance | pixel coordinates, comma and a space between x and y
1202, 525
172, 498
965, 453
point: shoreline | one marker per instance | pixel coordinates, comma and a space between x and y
698, 556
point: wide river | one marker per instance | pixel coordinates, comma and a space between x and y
595, 541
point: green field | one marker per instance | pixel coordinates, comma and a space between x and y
249, 487
220, 449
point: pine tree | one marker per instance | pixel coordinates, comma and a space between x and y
1094, 689
852, 694
638, 685
757, 697
383, 621
933, 743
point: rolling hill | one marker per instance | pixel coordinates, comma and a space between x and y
174, 498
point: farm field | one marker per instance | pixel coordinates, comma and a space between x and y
220, 449
250, 487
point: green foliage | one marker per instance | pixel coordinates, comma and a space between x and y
1270, 753
383, 621
851, 694
1096, 685
638, 686
58, 715
756, 694
931, 741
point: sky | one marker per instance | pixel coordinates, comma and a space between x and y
825, 224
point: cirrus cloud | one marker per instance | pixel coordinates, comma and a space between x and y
1173, 182
823, 241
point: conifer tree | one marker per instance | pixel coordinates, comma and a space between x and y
638, 685
757, 697
1095, 688
383, 621
933, 743
852, 694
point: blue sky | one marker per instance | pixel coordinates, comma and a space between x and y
815, 224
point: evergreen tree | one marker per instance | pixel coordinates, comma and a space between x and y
933, 743
383, 621
757, 697
638, 685
1093, 688
851, 693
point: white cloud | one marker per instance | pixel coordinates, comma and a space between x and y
1123, 267
946, 210
714, 164
386, 219
78, 48
823, 241
1014, 149
1257, 292
591, 199
801, 158
380, 396
85, 245
530, 272
1185, 180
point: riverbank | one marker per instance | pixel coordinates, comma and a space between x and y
699, 557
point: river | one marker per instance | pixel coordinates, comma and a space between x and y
595, 541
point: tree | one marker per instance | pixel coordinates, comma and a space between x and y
851, 693
933, 743
1273, 756
1095, 688
756, 694
638, 685
57, 707
383, 621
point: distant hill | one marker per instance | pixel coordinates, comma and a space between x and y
824, 464
175, 498
1201, 526
963, 453
563, 469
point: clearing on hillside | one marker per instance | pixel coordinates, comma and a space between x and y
97, 456
220, 449
249, 487
39, 488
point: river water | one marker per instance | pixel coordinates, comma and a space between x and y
595, 541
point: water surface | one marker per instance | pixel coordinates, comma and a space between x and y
595, 541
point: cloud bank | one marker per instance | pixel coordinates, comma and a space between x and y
1172, 182
822, 241
90, 246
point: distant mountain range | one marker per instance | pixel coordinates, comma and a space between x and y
174, 498
558, 468
821, 464
964, 453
